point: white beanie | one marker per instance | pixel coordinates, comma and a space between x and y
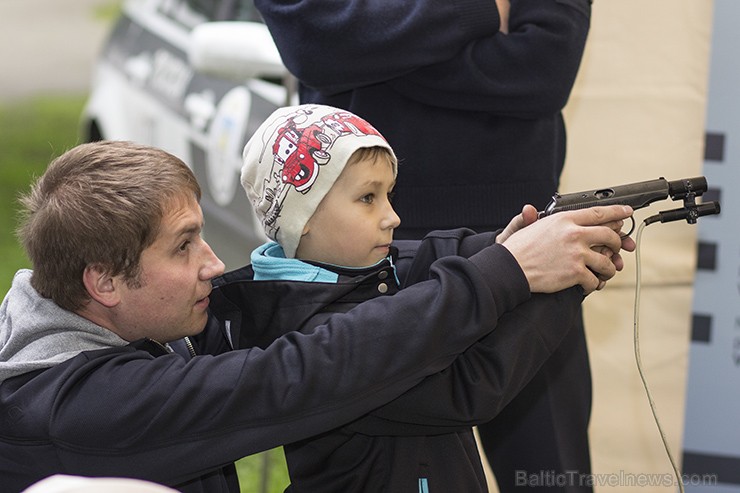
61, 483
292, 161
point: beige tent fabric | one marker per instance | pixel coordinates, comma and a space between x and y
637, 113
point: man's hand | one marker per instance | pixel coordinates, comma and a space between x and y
527, 217
574, 247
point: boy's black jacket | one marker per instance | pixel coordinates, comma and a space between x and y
426, 434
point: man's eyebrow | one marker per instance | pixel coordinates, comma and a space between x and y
189, 229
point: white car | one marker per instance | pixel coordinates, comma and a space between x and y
196, 78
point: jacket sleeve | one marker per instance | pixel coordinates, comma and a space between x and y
485, 378
489, 374
528, 72
337, 46
167, 420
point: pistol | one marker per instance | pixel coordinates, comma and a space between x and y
642, 194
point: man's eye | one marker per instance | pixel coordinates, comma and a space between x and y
184, 246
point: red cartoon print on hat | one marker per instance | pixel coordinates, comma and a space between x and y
301, 144
302, 150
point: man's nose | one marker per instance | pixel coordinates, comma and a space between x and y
213, 266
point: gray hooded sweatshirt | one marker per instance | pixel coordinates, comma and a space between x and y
35, 333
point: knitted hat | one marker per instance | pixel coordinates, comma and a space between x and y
292, 161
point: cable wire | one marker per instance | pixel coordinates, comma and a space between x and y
639, 360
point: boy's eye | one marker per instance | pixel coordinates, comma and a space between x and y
368, 199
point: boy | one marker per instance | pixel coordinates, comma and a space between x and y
320, 180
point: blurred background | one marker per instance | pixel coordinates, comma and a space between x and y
47, 51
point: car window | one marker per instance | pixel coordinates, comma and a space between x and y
240, 10
189, 13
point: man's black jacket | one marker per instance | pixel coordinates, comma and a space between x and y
137, 410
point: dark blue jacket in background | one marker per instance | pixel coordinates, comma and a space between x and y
474, 116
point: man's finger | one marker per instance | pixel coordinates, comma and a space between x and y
601, 265
600, 215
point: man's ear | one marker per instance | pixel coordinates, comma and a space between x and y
100, 285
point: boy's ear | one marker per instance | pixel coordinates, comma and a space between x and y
100, 285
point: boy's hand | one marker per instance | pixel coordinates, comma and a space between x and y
574, 247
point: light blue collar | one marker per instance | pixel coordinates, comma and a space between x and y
269, 264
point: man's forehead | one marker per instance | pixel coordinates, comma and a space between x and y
181, 215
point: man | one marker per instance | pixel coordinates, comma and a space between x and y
89, 385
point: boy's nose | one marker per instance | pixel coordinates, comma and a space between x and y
393, 221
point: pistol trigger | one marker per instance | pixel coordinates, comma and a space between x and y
625, 235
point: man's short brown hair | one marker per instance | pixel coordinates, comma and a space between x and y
98, 204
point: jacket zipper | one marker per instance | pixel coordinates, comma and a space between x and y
189, 344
